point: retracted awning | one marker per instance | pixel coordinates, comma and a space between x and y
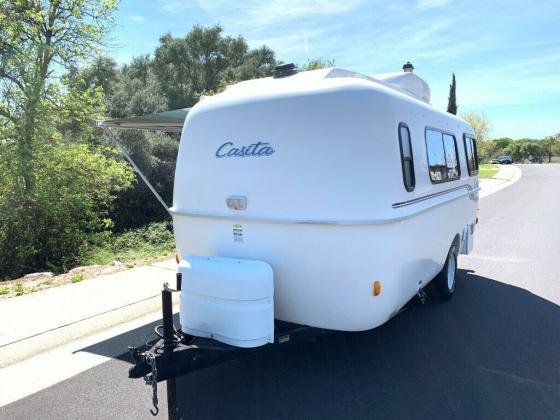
171, 121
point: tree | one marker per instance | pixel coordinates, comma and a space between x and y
57, 182
317, 63
452, 101
551, 146
556, 147
36, 36
481, 127
533, 150
203, 62
480, 124
101, 73
515, 151
502, 143
137, 90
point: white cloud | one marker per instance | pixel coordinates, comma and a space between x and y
288, 10
430, 4
263, 13
172, 6
301, 41
292, 28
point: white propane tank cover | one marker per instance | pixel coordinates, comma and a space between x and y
228, 299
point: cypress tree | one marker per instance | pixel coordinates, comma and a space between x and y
452, 103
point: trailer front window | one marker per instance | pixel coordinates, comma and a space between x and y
407, 160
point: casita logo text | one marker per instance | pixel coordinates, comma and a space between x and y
258, 149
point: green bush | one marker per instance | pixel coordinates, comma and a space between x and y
48, 227
78, 278
155, 239
19, 289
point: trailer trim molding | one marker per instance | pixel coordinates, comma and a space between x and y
339, 222
436, 194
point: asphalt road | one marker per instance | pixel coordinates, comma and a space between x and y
491, 352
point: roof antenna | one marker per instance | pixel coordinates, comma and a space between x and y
408, 67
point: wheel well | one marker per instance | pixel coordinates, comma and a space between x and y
456, 242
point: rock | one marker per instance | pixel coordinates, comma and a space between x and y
84, 269
34, 276
109, 270
77, 270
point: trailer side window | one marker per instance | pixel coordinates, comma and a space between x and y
442, 156
471, 154
407, 160
450, 146
436, 156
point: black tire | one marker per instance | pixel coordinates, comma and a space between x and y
444, 285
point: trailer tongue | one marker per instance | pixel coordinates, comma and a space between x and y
176, 354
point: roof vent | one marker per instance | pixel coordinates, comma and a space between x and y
284, 70
408, 67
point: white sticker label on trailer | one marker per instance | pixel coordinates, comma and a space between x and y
237, 233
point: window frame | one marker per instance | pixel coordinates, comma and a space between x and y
405, 159
470, 137
442, 132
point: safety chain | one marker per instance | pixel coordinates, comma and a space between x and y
151, 379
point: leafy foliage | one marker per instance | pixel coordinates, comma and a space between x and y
532, 150
317, 63
49, 228
57, 182
146, 241
35, 37
480, 124
203, 62
76, 278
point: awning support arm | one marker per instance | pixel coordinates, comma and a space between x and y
108, 131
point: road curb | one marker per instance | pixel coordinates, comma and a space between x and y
501, 180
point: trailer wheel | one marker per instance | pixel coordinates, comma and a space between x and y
446, 278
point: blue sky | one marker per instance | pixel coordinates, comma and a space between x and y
505, 54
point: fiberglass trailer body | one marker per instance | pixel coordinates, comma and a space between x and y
324, 198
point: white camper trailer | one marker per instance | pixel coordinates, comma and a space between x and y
325, 198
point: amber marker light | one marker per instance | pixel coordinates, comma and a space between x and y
376, 288
177, 257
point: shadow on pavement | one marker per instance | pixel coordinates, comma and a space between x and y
491, 352
115, 346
